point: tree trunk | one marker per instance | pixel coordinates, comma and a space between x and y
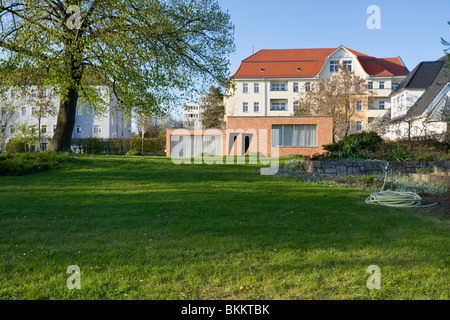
62, 137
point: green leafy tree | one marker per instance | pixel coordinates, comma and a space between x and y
148, 52
214, 114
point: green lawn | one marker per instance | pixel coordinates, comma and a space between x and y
144, 228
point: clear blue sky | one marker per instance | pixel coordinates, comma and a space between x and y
410, 29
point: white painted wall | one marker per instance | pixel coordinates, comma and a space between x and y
113, 122
403, 101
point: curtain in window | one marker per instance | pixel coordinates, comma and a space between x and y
294, 136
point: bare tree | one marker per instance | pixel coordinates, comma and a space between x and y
336, 97
42, 105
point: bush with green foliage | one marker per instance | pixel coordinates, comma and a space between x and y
19, 164
400, 153
356, 146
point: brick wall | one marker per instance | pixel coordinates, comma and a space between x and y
247, 124
260, 131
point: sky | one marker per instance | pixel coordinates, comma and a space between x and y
411, 29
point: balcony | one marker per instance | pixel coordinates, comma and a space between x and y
375, 113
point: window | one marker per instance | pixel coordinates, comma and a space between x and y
381, 105
295, 87
359, 126
256, 107
359, 105
371, 105
349, 126
24, 111
278, 87
55, 94
13, 94
307, 86
394, 85
304, 136
33, 111
33, 93
348, 65
245, 88
3, 128
78, 129
97, 129
11, 129
54, 128
370, 85
278, 105
245, 107
296, 104
334, 65
44, 128
44, 93
381, 84
256, 87
349, 106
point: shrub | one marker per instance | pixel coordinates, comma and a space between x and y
26, 163
399, 153
133, 153
355, 146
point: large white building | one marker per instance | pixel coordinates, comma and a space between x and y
270, 82
111, 123
421, 103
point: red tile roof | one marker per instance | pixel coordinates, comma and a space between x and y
307, 63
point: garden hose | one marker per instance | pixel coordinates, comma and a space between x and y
396, 198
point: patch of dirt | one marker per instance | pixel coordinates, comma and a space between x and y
443, 203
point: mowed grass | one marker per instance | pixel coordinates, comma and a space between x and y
145, 228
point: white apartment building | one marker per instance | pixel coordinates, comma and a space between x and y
270, 82
193, 112
112, 123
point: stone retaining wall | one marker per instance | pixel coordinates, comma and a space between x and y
351, 168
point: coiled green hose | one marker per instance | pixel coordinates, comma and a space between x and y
396, 198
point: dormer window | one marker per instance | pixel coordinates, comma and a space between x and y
299, 69
262, 70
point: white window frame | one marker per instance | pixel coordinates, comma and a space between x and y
359, 126
381, 105
295, 87
277, 86
245, 107
348, 64
370, 85
245, 88
359, 105
256, 87
256, 107
278, 106
381, 85
307, 86
334, 66
98, 127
